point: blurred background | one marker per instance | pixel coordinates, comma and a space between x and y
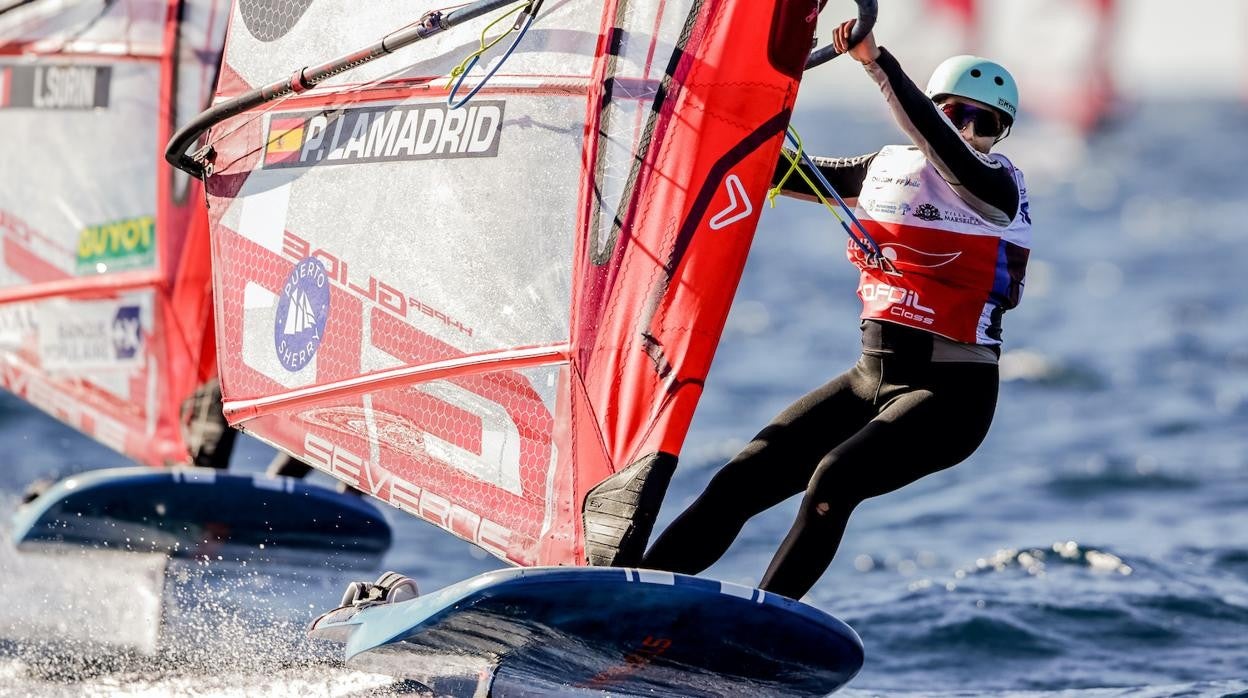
1097, 544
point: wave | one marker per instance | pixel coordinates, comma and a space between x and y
1033, 368
1065, 616
1117, 476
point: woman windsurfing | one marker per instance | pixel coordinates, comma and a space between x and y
953, 227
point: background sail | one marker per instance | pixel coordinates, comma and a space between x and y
104, 290
497, 318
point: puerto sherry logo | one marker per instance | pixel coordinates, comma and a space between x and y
74, 87
302, 312
383, 134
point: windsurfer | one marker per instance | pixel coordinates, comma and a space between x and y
953, 225
211, 439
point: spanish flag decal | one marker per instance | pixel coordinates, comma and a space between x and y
285, 140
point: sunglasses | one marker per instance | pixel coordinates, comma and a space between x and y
987, 121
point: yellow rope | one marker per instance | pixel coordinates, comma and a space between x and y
794, 158
459, 69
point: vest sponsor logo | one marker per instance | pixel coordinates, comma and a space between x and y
899, 255
383, 134
962, 218
302, 312
927, 212
124, 244
910, 256
891, 208
902, 181
905, 303
73, 87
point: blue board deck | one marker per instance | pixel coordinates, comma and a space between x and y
199, 512
612, 631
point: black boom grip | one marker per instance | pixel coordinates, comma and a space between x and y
868, 10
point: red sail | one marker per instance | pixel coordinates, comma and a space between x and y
498, 317
105, 311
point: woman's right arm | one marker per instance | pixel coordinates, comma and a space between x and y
846, 176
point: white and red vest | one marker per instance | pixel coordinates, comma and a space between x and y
955, 273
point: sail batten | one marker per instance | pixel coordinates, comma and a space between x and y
77, 287
452, 368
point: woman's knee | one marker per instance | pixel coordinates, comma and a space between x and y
833, 492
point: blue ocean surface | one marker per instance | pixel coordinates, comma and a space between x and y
1096, 544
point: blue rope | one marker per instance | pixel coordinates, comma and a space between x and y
873, 250
450, 98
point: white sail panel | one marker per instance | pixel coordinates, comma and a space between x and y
96, 363
134, 27
269, 34
85, 128
318, 186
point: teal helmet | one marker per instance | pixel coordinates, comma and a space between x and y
979, 79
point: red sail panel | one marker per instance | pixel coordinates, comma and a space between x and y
650, 318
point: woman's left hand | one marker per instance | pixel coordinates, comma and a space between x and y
865, 52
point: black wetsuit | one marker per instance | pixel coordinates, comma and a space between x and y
209, 438
914, 403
